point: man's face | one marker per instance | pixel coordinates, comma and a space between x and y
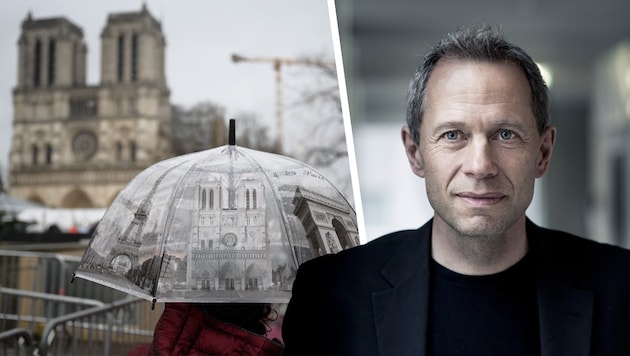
480, 151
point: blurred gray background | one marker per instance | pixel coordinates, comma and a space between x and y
583, 44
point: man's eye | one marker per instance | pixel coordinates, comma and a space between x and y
506, 134
451, 135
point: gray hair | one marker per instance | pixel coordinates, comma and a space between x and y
484, 44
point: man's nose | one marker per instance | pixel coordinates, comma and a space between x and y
479, 160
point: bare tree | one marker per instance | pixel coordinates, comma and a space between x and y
327, 141
325, 147
251, 133
198, 128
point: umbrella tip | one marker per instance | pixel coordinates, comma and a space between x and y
232, 134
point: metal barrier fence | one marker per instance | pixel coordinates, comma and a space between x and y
49, 273
19, 341
110, 329
41, 312
32, 310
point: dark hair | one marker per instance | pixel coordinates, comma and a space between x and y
483, 44
249, 316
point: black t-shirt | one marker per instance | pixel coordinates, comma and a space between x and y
484, 315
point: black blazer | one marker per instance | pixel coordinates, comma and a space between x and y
373, 299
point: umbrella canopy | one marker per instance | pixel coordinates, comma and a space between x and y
228, 224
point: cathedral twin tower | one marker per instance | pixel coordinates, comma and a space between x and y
76, 145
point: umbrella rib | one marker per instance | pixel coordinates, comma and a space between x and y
278, 205
169, 219
148, 198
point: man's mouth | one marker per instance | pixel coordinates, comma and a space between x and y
481, 199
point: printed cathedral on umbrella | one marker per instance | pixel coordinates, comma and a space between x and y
229, 224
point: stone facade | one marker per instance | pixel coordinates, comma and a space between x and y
228, 249
75, 145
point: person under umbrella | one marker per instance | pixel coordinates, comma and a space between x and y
217, 236
211, 329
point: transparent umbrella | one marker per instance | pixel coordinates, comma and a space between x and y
228, 224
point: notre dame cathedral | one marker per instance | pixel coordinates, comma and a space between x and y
76, 145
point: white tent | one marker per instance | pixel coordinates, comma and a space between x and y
11, 206
67, 220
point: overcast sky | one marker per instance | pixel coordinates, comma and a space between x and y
200, 36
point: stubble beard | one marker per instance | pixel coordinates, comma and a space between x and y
481, 238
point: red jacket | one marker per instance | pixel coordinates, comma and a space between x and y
186, 330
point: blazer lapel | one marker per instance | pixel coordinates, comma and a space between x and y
400, 312
565, 321
565, 313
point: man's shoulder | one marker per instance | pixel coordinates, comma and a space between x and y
371, 255
392, 240
377, 249
566, 240
561, 245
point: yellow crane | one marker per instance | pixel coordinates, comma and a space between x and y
277, 63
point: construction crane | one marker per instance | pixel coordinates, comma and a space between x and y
277, 63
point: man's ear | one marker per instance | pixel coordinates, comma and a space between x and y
412, 151
548, 139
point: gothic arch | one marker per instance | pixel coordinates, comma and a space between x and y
77, 198
119, 151
254, 277
37, 70
254, 270
34, 154
36, 199
342, 234
206, 279
230, 270
203, 199
133, 151
230, 276
49, 153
